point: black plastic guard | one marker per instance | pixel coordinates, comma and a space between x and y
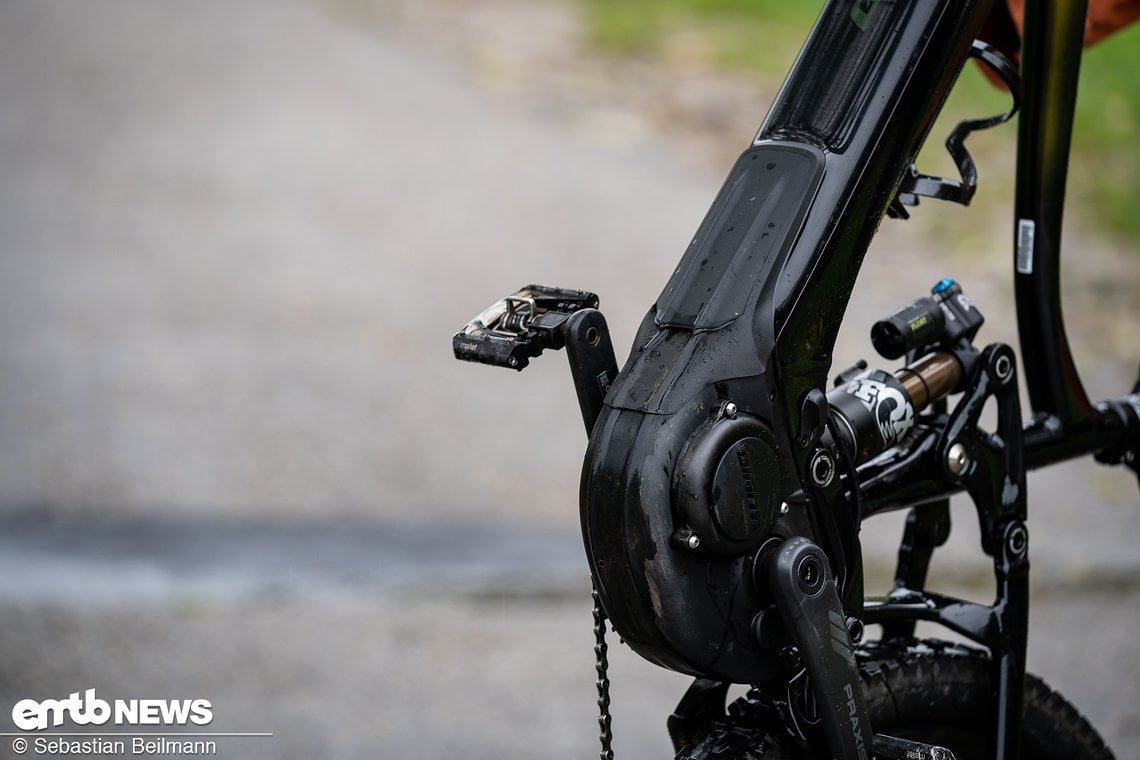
746, 234
695, 335
707, 342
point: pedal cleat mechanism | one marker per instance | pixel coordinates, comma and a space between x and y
514, 330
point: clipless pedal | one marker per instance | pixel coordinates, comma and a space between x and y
516, 329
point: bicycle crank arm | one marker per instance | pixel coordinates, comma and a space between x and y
808, 602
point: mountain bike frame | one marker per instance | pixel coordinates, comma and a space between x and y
723, 486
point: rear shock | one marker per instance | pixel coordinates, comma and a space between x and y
872, 409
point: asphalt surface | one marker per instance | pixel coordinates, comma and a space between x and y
237, 461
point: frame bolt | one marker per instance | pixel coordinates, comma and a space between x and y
730, 409
1018, 541
1003, 368
855, 629
822, 468
693, 541
784, 508
957, 459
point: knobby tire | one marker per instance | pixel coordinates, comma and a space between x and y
930, 691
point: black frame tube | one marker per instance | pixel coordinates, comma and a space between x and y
1066, 425
1052, 39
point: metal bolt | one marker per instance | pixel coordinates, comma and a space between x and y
809, 574
855, 629
693, 542
957, 459
1018, 541
1003, 368
822, 468
784, 508
730, 409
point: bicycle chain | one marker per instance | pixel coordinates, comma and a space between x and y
602, 665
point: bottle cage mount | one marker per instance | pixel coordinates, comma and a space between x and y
914, 184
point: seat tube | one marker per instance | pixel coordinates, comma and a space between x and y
1052, 39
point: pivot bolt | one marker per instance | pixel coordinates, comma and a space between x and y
957, 459
822, 468
730, 409
693, 542
1003, 368
1018, 541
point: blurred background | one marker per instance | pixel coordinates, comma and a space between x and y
237, 460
